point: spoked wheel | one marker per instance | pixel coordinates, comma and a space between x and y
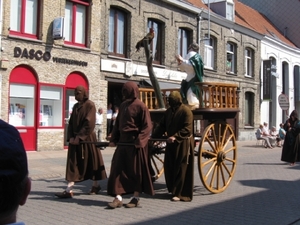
157, 162
217, 156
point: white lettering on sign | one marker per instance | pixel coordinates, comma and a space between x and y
283, 101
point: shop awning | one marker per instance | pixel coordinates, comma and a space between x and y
162, 85
120, 81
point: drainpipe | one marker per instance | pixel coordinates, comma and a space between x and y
199, 31
208, 19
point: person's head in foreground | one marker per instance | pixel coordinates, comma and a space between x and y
14, 181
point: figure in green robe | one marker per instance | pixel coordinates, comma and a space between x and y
193, 66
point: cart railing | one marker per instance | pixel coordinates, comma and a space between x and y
214, 95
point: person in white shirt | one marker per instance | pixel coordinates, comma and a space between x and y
273, 136
265, 129
267, 133
114, 116
99, 124
260, 135
109, 114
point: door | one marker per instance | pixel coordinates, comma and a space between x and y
23, 105
73, 80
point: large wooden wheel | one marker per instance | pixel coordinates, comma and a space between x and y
217, 156
156, 151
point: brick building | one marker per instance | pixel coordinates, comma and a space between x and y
48, 49
221, 39
40, 68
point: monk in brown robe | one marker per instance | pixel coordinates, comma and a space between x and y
177, 125
129, 168
84, 161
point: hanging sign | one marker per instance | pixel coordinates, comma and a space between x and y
283, 101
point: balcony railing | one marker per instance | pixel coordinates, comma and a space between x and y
214, 96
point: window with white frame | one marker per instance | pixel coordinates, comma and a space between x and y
50, 106
21, 107
230, 57
75, 28
157, 43
230, 11
209, 57
273, 67
24, 18
183, 41
249, 62
116, 35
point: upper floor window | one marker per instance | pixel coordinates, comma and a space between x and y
230, 11
184, 40
117, 28
75, 25
209, 57
273, 67
157, 42
231, 58
24, 18
249, 62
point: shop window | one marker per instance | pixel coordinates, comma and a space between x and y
75, 22
50, 106
156, 46
231, 58
184, 37
24, 18
249, 108
117, 32
21, 107
249, 62
209, 56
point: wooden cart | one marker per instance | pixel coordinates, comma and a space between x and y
216, 149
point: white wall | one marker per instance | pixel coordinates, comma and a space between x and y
282, 53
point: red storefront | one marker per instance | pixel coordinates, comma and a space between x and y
39, 108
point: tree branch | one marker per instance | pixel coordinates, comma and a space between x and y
152, 76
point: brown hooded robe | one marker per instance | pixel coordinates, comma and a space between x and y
291, 146
84, 161
129, 167
179, 156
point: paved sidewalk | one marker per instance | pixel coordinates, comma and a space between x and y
264, 190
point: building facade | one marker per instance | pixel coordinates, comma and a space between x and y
280, 57
231, 51
46, 51
177, 24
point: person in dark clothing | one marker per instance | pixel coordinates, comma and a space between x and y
129, 168
84, 160
177, 125
15, 185
291, 147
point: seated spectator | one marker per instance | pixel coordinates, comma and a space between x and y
281, 135
265, 129
261, 136
273, 136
